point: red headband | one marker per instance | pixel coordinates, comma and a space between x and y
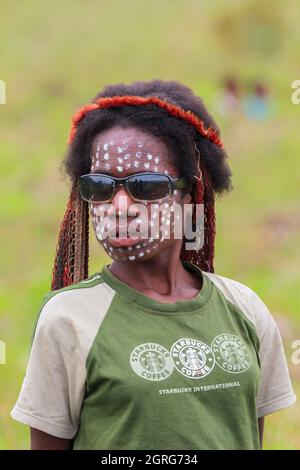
176, 111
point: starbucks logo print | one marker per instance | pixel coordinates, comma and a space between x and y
151, 361
192, 358
231, 353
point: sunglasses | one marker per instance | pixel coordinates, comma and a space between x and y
100, 188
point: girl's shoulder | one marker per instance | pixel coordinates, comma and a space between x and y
246, 299
70, 307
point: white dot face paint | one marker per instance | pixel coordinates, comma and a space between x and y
123, 157
97, 151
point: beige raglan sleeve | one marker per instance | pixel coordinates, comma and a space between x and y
53, 387
275, 390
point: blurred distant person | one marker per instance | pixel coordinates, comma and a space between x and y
228, 101
257, 105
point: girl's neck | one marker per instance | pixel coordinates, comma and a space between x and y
160, 277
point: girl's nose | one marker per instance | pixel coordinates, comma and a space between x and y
122, 203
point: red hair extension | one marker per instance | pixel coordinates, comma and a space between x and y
176, 111
72, 250
203, 194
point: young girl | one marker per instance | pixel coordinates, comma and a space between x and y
154, 351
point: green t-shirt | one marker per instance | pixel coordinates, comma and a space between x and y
113, 369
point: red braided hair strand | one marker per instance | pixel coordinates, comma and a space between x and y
72, 250
203, 194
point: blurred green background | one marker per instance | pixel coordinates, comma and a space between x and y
55, 56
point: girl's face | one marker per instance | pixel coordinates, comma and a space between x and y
122, 152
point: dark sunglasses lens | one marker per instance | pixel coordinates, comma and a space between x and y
149, 187
96, 188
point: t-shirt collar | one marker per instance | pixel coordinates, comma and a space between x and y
136, 297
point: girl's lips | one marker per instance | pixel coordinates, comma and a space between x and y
124, 241
115, 240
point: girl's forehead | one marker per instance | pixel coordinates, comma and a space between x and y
128, 151
118, 139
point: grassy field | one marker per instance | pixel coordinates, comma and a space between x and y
55, 56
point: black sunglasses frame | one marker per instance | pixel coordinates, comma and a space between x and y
175, 183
